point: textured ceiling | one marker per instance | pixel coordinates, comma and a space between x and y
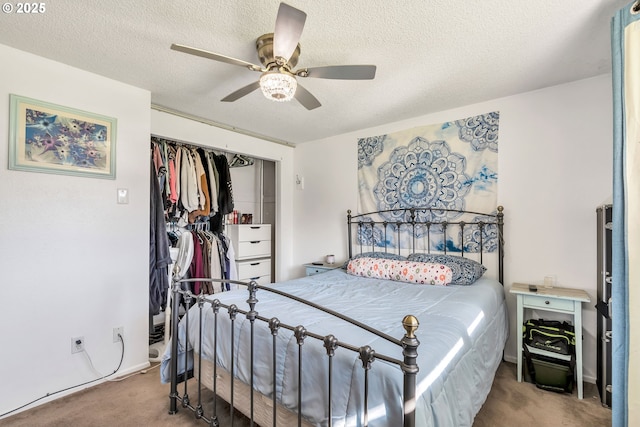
431, 55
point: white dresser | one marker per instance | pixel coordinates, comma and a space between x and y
252, 246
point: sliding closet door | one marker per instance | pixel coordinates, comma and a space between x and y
269, 205
254, 193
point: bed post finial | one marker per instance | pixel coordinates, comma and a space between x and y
252, 287
410, 324
410, 368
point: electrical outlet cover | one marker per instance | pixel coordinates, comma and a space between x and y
77, 344
118, 331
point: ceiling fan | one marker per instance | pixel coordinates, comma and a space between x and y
279, 52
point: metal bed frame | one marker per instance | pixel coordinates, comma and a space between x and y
408, 343
384, 223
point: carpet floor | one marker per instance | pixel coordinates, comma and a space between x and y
141, 400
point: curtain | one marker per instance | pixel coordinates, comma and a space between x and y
625, 37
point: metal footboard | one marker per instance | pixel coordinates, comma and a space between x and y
409, 344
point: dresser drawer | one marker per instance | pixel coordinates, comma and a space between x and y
316, 269
547, 302
251, 269
310, 271
253, 249
249, 232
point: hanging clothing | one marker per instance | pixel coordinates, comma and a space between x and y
215, 256
203, 194
214, 180
225, 194
195, 183
196, 270
159, 255
188, 182
197, 194
231, 260
173, 187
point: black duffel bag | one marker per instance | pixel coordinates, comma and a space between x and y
549, 335
547, 372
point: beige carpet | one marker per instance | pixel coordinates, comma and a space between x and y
511, 403
142, 401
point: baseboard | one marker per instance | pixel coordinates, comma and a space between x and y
130, 370
586, 378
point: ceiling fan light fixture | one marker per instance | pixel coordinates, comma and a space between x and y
278, 86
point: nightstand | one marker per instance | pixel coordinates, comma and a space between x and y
312, 269
558, 300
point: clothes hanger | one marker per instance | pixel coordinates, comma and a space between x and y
240, 160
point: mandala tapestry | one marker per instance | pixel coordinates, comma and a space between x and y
453, 165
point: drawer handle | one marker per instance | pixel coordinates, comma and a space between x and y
255, 241
547, 302
255, 278
255, 263
255, 228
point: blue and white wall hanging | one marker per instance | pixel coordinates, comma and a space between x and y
453, 165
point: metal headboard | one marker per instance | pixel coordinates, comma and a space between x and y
432, 226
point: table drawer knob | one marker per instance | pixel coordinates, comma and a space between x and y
547, 302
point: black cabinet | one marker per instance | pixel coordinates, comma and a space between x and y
603, 304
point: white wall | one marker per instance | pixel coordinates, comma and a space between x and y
195, 132
555, 168
73, 261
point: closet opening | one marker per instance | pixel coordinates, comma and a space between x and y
236, 234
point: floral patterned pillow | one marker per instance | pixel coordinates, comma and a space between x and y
465, 270
402, 271
384, 255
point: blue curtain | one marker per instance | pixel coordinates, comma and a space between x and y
620, 273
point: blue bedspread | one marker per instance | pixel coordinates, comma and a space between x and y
462, 333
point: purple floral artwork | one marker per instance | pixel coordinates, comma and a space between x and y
55, 139
60, 140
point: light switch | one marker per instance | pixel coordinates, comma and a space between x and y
123, 196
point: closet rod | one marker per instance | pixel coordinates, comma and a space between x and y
218, 125
159, 139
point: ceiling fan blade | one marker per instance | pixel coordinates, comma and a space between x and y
241, 92
289, 25
306, 99
215, 56
342, 72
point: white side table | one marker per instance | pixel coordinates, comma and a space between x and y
559, 300
315, 268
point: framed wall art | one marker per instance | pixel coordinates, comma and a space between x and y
50, 138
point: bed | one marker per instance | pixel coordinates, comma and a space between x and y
350, 347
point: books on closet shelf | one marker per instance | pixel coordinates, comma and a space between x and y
236, 218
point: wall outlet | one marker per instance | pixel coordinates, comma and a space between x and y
77, 344
118, 331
